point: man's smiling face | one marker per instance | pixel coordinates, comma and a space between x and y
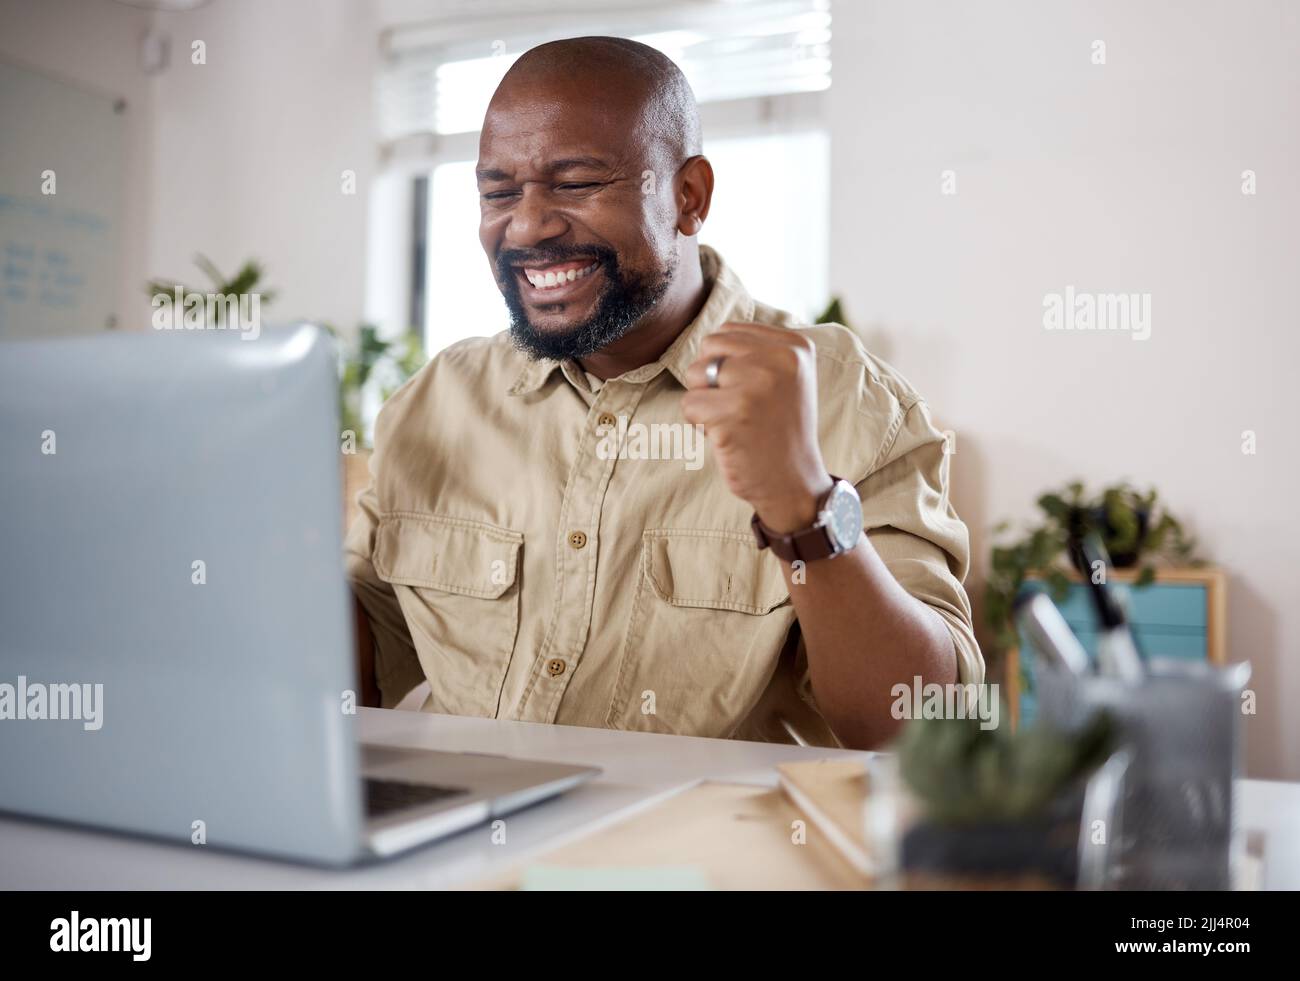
581, 239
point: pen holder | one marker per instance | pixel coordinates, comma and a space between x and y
1181, 725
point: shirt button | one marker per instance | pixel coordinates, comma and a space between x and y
606, 421
555, 667
577, 539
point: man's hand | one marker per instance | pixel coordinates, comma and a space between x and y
762, 419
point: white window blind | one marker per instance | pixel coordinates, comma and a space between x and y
437, 76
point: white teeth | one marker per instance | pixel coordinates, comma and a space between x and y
549, 280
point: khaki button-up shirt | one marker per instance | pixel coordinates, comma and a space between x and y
542, 546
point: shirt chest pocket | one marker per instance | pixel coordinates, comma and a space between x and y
456, 580
710, 616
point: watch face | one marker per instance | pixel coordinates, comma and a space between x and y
844, 516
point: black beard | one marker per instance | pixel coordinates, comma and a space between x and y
623, 301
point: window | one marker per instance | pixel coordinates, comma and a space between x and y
758, 68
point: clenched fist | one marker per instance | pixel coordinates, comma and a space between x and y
762, 419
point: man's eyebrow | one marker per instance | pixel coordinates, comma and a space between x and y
554, 167
575, 163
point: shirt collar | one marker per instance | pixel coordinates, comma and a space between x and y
727, 300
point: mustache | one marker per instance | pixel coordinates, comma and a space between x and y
509, 259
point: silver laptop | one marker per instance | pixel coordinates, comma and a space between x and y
176, 653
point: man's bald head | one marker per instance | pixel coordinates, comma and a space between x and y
643, 81
592, 190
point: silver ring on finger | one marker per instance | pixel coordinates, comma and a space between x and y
711, 371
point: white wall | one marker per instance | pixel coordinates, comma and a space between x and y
96, 44
1122, 177
249, 148
237, 158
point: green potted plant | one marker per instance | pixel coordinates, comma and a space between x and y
370, 370
1135, 527
243, 283
998, 806
833, 314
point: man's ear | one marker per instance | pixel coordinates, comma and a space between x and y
694, 193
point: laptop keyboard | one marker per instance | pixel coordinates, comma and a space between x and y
386, 796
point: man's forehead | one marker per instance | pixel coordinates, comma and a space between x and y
579, 136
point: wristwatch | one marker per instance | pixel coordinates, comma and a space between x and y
836, 529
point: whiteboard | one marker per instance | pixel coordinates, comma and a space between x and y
59, 253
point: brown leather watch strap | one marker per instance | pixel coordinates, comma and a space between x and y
807, 544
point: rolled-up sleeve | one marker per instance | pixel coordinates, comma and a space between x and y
913, 527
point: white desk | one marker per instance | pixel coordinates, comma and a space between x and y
637, 767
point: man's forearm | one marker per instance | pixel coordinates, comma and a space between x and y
864, 634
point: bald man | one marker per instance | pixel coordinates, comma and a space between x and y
654, 503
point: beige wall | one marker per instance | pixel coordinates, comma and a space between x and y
1122, 177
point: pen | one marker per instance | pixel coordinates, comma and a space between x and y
1117, 652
